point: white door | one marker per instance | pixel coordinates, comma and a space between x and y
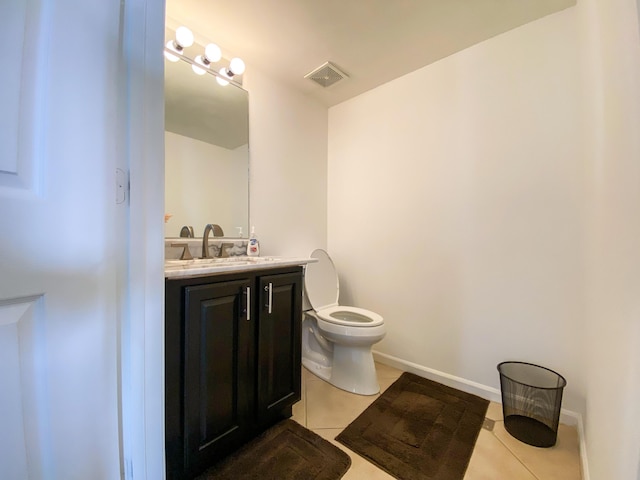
60, 137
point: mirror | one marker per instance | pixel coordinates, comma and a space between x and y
206, 151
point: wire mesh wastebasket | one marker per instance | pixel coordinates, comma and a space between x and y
531, 401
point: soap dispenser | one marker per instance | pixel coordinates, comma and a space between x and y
253, 249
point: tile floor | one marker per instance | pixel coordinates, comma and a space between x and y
497, 456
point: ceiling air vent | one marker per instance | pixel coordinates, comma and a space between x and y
326, 75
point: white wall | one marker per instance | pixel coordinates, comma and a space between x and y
487, 205
613, 360
288, 177
204, 183
456, 206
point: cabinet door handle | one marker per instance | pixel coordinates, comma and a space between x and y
248, 303
269, 289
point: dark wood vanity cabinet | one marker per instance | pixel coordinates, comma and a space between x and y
232, 362
279, 344
218, 363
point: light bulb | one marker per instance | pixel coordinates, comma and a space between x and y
184, 37
201, 69
221, 80
167, 55
212, 52
236, 66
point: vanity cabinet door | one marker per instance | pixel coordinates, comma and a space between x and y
218, 370
279, 344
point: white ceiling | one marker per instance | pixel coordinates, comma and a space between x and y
372, 41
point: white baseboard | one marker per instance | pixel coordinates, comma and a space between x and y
490, 393
567, 417
584, 464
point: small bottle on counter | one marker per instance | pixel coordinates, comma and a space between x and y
253, 248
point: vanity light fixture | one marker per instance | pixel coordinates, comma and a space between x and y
220, 78
184, 39
236, 67
212, 54
174, 51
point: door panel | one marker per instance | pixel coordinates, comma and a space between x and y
218, 349
279, 343
59, 136
25, 449
19, 95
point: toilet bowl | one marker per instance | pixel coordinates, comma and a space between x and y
337, 339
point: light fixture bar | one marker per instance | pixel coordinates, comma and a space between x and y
210, 71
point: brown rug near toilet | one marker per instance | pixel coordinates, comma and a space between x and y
287, 451
418, 430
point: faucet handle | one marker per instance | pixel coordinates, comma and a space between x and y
186, 254
223, 252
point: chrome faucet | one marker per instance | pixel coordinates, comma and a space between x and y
205, 240
217, 232
187, 231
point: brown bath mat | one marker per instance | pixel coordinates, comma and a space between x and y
287, 451
418, 430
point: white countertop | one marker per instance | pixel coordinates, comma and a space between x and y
204, 266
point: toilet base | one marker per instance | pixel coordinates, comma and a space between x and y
318, 370
355, 370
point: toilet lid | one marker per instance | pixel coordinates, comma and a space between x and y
321, 281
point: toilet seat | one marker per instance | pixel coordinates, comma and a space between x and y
350, 316
323, 290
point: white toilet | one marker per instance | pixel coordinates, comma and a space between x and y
337, 340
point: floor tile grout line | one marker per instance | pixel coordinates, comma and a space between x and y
306, 397
513, 454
